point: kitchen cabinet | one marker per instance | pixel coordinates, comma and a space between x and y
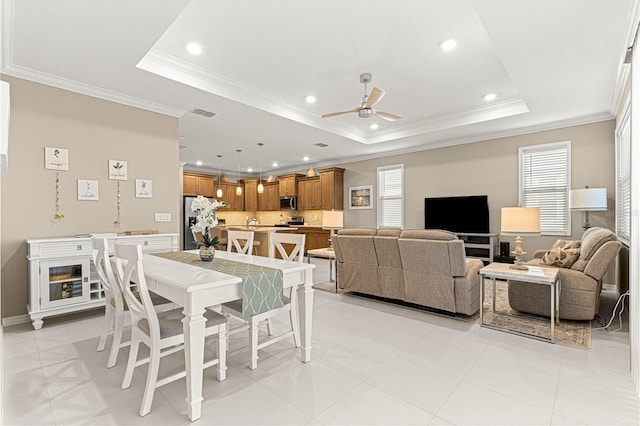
250, 194
194, 184
62, 278
269, 200
315, 237
288, 185
232, 201
309, 193
332, 187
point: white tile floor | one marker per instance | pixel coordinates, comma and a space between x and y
373, 363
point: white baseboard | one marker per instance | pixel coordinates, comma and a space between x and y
18, 319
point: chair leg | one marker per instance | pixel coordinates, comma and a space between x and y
269, 327
295, 324
152, 378
131, 364
253, 344
117, 340
222, 352
108, 316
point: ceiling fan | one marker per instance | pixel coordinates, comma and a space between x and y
365, 110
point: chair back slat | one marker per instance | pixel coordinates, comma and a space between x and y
276, 240
235, 240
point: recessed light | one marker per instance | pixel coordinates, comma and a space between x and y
490, 97
305, 158
448, 44
310, 99
374, 126
194, 48
274, 164
249, 169
198, 163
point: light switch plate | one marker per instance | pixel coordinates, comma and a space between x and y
163, 217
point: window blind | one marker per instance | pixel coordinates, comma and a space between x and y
391, 196
545, 182
623, 176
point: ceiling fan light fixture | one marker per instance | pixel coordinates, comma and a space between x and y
365, 113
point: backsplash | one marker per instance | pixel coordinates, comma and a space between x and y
311, 217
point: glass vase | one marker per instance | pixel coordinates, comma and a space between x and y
206, 253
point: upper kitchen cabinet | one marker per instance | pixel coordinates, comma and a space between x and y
270, 198
250, 194
309, 193
233, 202
194, 184
289, 185
331, 185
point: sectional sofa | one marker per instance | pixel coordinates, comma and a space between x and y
424, 267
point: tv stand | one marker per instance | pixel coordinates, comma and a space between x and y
480, 246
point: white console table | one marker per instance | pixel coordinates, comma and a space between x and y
61, 274
480, 246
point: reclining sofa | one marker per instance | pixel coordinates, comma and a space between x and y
421, 266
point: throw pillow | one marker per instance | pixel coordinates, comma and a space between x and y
562, 254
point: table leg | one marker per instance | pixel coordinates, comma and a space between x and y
193, 325
331, 271
553, 311
306, 315
558, 291
494, 293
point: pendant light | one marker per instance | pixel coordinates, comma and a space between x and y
238, 188
260, 185
219, 191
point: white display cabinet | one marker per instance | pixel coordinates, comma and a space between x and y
61, 274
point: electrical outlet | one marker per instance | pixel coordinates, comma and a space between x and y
163, 217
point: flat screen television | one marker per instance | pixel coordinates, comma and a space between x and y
469, 214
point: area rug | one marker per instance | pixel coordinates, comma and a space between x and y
570, 333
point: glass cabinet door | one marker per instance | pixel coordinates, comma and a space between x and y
64, 282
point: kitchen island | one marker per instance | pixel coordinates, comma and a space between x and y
262, 233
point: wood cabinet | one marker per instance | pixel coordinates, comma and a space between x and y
309, 193
194, 184
289, 185
232, 201
62, 278
316, 238
250, 194
332, 187
270, 198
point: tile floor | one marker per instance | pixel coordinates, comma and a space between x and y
373, 363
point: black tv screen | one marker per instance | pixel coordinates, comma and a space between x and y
468, 214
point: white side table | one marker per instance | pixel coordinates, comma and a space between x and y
326, 253
535, 275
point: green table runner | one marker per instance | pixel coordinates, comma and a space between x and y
261, 286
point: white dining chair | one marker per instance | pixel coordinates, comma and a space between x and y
162, 332
115, 306
241, 241
290, 247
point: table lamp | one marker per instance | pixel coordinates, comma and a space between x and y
519, 221
588, 199
332, 220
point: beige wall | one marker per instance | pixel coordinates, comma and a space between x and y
94, 131
491, 168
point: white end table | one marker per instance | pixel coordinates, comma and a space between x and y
535, 275
326, 253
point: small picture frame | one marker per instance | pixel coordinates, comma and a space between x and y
144, 188
87, 190
361, 197
117, 170
56, 158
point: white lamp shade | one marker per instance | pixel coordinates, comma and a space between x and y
589, 199
520, 221
332, 219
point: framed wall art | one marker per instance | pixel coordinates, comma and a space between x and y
56, 158
87, 190
361, 197
117, 170
143, 188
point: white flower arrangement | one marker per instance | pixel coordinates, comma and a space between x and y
205, 219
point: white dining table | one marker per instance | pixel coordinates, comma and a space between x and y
194, 288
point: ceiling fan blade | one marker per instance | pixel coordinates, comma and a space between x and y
333, 114
387, 115
374, 97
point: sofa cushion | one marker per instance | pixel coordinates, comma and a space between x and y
592, 240
562, 254
388, 232
428, 234
357, 231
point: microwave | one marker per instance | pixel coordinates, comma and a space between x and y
288, 203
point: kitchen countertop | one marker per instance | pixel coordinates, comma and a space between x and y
270, 227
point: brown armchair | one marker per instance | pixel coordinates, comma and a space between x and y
580, 284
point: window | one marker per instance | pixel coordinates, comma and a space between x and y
623, 176
545, 182
391, 196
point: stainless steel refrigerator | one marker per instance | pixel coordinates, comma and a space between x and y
189, 219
